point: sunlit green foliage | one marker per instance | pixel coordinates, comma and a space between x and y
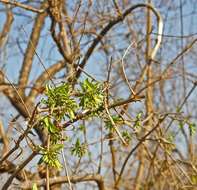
189, 124
138, 119
60, 101
34, 187
50, 156
91, 95
78, 149
52, 129
63, 104
117, 120
127, 136
192, 128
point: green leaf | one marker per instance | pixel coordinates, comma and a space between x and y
56, 147
82, 127
139, 115
78, 149
40, 161
117, 120
50, 157
126, 135
192, 128
34, 187
138, 123
50, 126
181, 124
57, 164
91, 95
60, 102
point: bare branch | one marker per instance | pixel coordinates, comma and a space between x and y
9, 167
23, 6
6, 27
21, 137
112, 23
63, 179
43, 78
19, 168
4, 139
30, 51
136, 146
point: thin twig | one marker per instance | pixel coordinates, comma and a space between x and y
22, 136
23, 6
39, 58
123, 68
47, 166
136, 146
4, 139
66, 169
63, 179
20, 97
113, 124
10, 179
112, 23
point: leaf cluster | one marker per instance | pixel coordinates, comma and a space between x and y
60, 101
50, 156
63, 103
91, 95
78, 149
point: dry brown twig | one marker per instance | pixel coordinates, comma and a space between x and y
63, 179
23, 6
114, 22
6, 28
5, 139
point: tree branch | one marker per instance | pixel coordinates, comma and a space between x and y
30, 50
63, 179
4, 139
9, 167
112, 23
51, 71
6, 27
23, 6
19, 168
136, 146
